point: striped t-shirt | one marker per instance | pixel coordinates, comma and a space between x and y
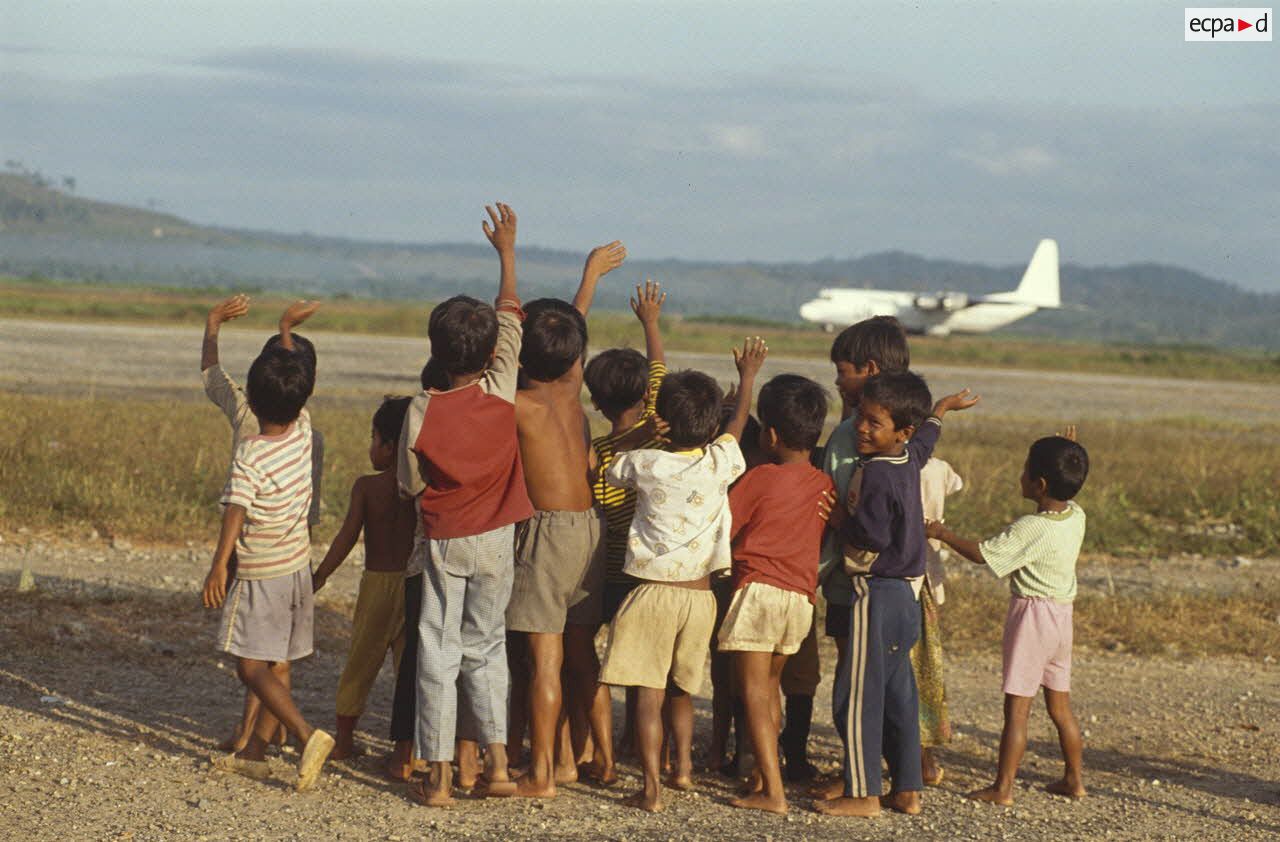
1040, 551
271, 478
619, 504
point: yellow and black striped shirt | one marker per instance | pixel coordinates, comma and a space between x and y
619, 504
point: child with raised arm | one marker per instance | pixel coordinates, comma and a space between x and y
679, 537
267, 610
883, 545
624, 385
778, 525
387, 521
459, 456
559, 573
230, 398
1038, 553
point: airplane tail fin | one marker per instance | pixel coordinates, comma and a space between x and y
1039, 286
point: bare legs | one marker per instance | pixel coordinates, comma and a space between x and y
649, 739
589, 699
759, 674
271, 686
546, 652
1013, 742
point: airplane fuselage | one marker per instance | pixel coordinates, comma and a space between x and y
839, 307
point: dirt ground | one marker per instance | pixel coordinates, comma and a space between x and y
111, 697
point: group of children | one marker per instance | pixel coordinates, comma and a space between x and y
500, 537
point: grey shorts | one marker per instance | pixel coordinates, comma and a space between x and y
268, 619
559, 575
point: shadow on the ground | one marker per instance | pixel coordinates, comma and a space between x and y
1220, 783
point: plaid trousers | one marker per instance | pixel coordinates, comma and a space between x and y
462, 644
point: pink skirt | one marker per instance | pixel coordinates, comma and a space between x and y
1037, 646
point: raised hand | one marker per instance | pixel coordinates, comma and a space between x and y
1069, 433
952, 403
647, 302
502, 235
604, 259
751, 358
232, 308
297, 313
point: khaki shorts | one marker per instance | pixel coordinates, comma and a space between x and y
660, 636
269, 619
764, 618
559, 576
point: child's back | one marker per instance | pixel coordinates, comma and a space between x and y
459, 452
389, 522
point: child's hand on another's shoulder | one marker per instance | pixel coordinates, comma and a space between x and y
232, 308
503, 233
953, 403
828, 510
647, 302
751, 358
602, 260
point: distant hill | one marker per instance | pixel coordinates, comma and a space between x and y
56, 234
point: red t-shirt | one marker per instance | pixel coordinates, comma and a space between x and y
777, 531
458, 449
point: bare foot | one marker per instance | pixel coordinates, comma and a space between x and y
344, 752
754, 784
486, 788
468, 771
566, 774
527, 787
430, 796
991, 795
828, 790
903, 802
598, 775
236, 742
842, 806
684, 783
930, 771
1067, 788
644, 801
760, 801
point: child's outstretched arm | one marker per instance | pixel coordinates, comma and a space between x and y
748, 362
964, 546
502, 236
224, 311
647, 305
294, 315
344, 541
954, 403
600, 261
215, 584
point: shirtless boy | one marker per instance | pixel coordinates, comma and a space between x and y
387, 521
556, 599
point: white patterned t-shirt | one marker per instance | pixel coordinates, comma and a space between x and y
680, 531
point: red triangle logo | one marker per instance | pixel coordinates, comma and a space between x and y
1243, 25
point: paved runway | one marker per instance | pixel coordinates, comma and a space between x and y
163, 363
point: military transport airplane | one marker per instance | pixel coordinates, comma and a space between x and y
941, 313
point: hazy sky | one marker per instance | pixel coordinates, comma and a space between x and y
728, 130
